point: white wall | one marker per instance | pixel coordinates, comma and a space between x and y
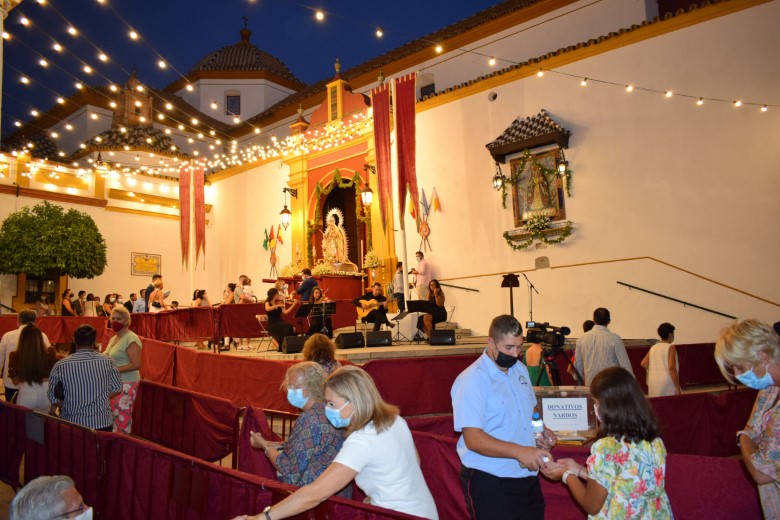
693, 186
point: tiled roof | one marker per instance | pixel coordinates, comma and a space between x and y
243, 56
528, 130
136, 138
43, 146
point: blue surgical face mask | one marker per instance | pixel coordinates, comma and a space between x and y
750, 379
296, 398
335, 418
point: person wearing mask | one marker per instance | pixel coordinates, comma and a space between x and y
42, 306
313, 442
83, 383
80, 303
125, 349
422, 275
307, 284
748, 351
129, 304
399, 286
109, 302
493, 402
9, 343
49, 497
626, 471
378, 453
67, 307
139, 305
663, 369
30, 366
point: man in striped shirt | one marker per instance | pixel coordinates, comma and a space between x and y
83, 383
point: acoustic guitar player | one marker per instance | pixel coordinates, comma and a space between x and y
372, 307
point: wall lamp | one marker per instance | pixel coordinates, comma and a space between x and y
366, 194
498, 178
286, 213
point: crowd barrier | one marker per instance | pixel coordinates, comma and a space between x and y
125, 478
195, 424
698, 487
59, 329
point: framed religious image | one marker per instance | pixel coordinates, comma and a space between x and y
538, 189
144, 264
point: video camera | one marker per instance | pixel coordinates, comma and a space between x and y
546, 334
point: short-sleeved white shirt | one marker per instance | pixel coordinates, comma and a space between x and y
388, 469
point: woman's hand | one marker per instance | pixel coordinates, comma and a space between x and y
554, 470
257, 441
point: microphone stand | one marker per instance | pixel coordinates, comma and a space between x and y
531, 288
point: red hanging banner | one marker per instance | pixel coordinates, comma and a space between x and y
380, 101
405, 129
200, 214
184, 213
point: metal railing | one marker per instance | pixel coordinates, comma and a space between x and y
687, 304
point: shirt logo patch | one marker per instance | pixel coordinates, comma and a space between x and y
522, 380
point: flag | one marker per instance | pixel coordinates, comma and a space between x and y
425, 206
272, 240
435, 204
265, 242
412, 212
184, 213
279, 234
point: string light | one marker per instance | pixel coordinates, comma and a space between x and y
439, 49
379, 33
737, 104
668, 93
133, 35
43, 63
584, 82
24, 21
57, 47
72, 31
319, 15
492, 61
629, 88
6, 36
763, 108
540, 73
700, 102
102, 57
162, 64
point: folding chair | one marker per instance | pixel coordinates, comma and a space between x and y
262, 319
450, 313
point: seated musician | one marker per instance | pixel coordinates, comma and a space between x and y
372, 307
276, 309
318, 323
437, 312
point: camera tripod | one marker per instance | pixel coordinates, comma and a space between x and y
548, 361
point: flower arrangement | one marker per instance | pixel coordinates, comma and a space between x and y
372, 260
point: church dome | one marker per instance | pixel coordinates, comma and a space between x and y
245, 57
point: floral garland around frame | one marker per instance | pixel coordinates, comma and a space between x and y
313, 225
515, 176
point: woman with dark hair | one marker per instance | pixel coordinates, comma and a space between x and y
438, 313
200, 299
320, 349
30, 366
318, 322
276, 309
67, 307
42, 307
108, 304
90, 307
627, 466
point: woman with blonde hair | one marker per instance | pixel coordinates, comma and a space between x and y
157, 298
320, 349
378, 453
125, 349
748, 351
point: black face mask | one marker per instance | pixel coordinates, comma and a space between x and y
505, 360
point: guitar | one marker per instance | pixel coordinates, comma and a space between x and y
369, 306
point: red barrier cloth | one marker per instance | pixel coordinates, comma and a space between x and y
157, 361
60, 329
436, 424
12, 441
200, 213
8, 323
238, 321
145, 324
405, 99
196, 424
244, 381
698, 366
251, 460
380, 101
184, 213
728, 413
418, 386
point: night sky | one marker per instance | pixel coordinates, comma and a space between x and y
183, 32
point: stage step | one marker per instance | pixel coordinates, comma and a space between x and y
365, 327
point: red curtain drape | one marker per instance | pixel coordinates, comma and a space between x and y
184, 213
200, 214
405, 131
380, 101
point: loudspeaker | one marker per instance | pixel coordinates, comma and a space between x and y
350, 340
380, 338
442, 337
293, 344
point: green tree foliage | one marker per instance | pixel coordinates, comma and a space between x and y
45, 239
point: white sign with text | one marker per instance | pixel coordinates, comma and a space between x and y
565, 413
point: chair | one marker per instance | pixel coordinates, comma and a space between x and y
262, 319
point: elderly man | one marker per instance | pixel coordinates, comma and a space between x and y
9, 343
84, 382
49, 497
600, 348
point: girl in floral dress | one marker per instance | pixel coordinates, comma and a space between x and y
625, 474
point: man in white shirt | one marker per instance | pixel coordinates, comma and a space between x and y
422, 276
600, 348
9, 343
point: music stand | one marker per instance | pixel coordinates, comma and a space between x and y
511, 280
398, 318
418, 307
323, 310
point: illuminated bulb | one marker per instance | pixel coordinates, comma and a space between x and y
319, 15
25, 80
87, 69
94, 116
181, 127
194, 121
98, 139
60, 100
6, 36
113, 88
668, 93
214, 105
24, 21
200, 135
168, 106
173, 147
142, 119
540, 73
629, 88
133, 35
72, 31
161, 64
700, 102
439, 49
127, 148
43, 63
34, 113
112, 104
149, 140
212, 132
61, 154
69, 127
18, 123
168, 131
584, 82
257, 130
379, 32
57, 47
138, 103
160, 116
140, 88
764, 108
102, 57
236, 120
79, 86
492, 61
737, 104
190, 140
55, 135
82, 145
122, 129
